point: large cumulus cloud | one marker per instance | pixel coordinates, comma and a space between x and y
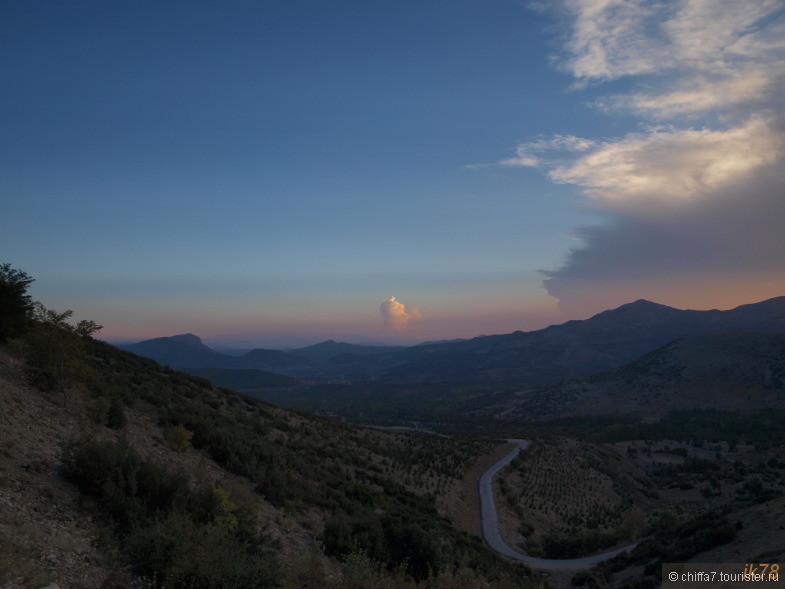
696, 194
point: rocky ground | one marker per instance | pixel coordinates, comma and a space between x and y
49, 536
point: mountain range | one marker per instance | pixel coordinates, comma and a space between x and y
570, 350
329, 359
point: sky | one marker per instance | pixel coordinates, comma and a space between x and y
282, 172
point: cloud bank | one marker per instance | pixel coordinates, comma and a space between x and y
396, 317
695, 197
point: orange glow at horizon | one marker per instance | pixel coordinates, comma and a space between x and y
701, 293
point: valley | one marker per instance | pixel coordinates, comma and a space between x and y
678, 454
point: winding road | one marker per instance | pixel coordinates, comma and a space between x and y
490, 525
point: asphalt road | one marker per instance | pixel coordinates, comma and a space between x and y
490, 525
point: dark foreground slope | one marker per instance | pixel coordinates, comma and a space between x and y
203, 486
740, 372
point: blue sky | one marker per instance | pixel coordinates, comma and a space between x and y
253, 170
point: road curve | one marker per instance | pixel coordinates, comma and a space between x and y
490, 525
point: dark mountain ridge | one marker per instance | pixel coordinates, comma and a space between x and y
176, 351
573, 349
582, 347
331, 349
187, 352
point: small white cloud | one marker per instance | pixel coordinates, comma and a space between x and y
541, 152
396, 316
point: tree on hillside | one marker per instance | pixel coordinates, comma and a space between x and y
56, 348
16, 306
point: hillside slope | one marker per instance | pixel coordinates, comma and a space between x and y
46, 533
365, 496
732, 372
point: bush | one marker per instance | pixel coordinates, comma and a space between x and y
178, 437
185, 553
584, 579
115, 414
181, 537
108, 412
576, 546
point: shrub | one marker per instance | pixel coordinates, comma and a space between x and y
185, 538
178, 437
185, 553
115, 414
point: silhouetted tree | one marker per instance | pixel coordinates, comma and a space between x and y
16, 306
55, 348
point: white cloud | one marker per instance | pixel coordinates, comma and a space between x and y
668, 164
609, 39
396, 316
696, 195
698, 93
700, 55
707, 54
527, 154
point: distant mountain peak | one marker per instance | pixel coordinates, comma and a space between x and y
644, 304
330, 343
188, 338
641, 307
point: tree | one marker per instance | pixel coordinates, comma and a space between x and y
84, 329
178, 437
55, 349
16, 306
